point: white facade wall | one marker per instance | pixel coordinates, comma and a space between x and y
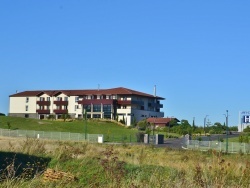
126, 113
71, 106
18, 105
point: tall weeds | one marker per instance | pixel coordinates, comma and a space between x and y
100, 165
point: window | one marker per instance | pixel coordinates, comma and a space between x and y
76, 107
41, 98
27, 99
87, 107
48, 98
26, 108
59, 98
77, 99
26, 115
96, 108
107, 111
65, 98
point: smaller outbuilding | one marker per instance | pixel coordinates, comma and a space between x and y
161, 122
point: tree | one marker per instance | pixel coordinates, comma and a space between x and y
65, 116
142, 125
183, 128
247, 129
133, 122
233, 128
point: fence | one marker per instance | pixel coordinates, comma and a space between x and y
67, 136
233, 147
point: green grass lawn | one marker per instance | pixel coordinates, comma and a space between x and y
93, 126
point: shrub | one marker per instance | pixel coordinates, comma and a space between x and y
247, 129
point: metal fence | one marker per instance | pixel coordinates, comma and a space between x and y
67, 136
233, 147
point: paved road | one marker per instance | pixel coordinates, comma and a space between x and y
179, 142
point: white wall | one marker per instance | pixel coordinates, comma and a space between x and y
18, 105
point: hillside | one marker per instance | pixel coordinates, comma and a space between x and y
77, 126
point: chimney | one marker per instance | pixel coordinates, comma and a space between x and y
155, 90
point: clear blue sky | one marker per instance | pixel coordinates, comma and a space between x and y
197, 53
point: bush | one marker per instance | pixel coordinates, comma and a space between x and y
247, 129
2, 114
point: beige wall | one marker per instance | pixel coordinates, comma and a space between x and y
18, 105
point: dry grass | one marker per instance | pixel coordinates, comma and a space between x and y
101, 165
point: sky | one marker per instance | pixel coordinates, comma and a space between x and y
196, 53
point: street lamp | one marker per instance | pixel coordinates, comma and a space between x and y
169, 125
205, 119
226, 115
84, 115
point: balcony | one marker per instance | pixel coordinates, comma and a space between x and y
155, 105
129, 102
61, 111
61, 103
43, 103
97, 101
43, 111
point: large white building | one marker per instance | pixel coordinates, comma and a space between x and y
116, 103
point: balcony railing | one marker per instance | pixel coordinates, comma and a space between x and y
97, 101
43, 103
43, 111
60, 111
61, 103
155, 105
129, 102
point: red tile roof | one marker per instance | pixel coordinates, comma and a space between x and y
112, 91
